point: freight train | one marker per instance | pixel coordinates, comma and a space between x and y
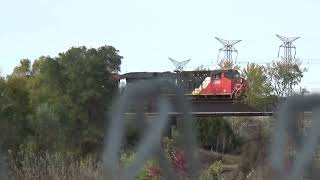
224, 83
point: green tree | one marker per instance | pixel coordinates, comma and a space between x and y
59, 103
24, 69
86, 75
284, 75
47, 132
46, 84
14, 112
259, 87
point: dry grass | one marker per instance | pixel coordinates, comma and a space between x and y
54, 167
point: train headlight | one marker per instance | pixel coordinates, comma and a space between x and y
224, 90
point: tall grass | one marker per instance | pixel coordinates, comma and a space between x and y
54, 166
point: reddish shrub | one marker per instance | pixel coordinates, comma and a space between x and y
177, 158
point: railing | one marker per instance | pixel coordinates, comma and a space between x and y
236, 90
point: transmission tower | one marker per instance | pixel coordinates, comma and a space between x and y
179, 65
228, 49
287, 46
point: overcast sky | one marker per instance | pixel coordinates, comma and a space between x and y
147, 32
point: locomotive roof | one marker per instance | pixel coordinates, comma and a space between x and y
147, 75
138, 75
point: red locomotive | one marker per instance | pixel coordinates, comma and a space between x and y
222, 83
226, 83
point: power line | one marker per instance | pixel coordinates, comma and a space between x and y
287, 46
179, 65
228, 49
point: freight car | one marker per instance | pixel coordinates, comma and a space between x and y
226, 83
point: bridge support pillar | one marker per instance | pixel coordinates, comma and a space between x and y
172, 124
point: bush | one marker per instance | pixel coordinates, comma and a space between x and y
217, 134
213, 171
150, 171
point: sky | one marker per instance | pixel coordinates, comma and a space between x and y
147, 32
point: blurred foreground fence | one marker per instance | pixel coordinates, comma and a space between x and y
140, 93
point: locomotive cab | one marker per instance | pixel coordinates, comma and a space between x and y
222, 84
237, 83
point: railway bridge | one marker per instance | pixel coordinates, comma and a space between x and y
222, 108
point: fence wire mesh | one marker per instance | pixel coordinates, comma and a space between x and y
140, 93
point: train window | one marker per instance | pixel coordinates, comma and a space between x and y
217, 76
231, 75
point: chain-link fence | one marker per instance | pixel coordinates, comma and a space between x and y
137, 95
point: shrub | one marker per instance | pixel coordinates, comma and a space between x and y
216, 133
150, 171
213, 172
177, 158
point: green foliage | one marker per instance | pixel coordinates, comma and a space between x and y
126, 160
15, 110
216, 133
268, 83
59, 103
48, 134
213, 172
284, 75
23, 70
259, 86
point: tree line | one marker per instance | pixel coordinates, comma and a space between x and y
58, 103
268, 83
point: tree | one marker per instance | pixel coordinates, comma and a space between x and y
259, 87
201, 68
228, 64
284, 75
14, 113
65, 96
46, 84
48, 134
24, 69
304, 91
88, 88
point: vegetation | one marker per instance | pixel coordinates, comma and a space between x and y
58, 104
213, 172
284, 75
260, 90
52, 114
228, 64
270, 82
216, 134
